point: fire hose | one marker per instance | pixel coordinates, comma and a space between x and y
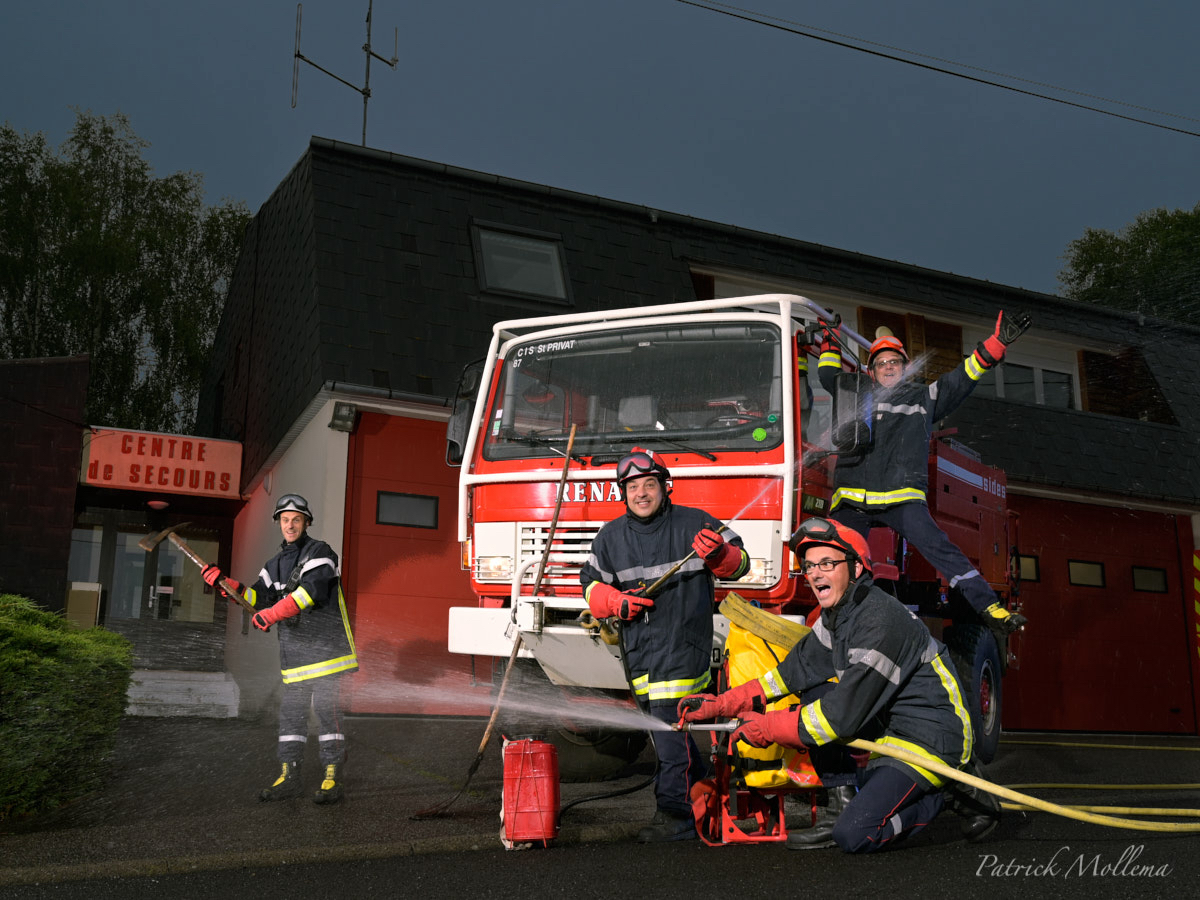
1017, 801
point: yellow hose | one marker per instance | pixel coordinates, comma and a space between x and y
1118, 810
1107, 787
1033, 802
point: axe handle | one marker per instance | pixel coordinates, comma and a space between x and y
225, 584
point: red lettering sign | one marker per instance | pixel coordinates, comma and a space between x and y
162, 463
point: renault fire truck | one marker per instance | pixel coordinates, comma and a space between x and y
718, 390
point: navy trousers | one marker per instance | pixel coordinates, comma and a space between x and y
680, 764
322, 696
913, 522
888, 807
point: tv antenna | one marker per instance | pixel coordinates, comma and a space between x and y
365, 90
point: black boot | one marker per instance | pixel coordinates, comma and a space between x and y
286, 786
979, 809
330, 790
837, 800
819, 837
668, 826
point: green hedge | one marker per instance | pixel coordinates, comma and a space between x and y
62, 695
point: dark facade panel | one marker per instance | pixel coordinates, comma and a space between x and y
42, 405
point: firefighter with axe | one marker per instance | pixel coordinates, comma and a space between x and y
299, 589
666, 628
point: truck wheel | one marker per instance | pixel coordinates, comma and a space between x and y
584, 753
595, 755
977, 659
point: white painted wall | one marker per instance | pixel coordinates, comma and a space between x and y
313, 465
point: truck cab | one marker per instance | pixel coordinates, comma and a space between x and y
718, 390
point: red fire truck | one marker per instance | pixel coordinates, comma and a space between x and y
716, 389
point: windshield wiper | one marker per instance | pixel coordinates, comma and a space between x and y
682, 446
536, 440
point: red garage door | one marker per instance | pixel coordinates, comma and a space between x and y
403, 578
1107, 645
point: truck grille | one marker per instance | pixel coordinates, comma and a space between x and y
572, 544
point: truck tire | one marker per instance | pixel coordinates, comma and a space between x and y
585, 754
595, 755
977, 659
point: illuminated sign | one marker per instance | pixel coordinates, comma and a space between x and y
161, 463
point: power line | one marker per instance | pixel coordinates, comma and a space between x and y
799, 30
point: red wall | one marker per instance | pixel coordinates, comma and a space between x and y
401, 581
1101, 659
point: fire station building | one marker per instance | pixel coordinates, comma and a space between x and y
368, 280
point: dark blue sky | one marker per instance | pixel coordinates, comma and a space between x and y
660, 103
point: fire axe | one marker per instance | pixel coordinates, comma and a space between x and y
149, 542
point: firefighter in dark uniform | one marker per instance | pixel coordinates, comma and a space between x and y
666, 639
895, 685
300, 589
886, 483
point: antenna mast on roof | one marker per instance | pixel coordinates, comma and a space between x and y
365, 90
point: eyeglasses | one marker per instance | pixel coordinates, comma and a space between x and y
889, 363
636, 464
825, 565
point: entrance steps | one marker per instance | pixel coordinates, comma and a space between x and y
163, 692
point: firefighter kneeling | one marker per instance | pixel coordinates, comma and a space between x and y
896, 686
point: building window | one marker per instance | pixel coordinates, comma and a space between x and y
1029, 568
1151, 580
412, 510
1028, 384
1086, 574
524, 263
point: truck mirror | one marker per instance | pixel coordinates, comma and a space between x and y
458, 427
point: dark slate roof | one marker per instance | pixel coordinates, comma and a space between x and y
359, 270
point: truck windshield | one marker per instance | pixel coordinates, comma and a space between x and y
704, 388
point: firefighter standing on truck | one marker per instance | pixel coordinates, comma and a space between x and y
300, 589
895, 685
666, 639
886, 483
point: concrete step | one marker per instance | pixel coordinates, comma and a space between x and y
161, 692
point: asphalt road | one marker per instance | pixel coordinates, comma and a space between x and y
128, 842
1052, 861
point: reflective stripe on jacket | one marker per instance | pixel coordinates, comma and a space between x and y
668, 648
896, 684
318, 641
895, 468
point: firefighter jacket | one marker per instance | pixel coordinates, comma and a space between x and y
318, 641
896, 684
894, 468
668, 649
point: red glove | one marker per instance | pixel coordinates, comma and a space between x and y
604, 600
284, 609
1008, 329
722, 558
213, 576
763, 729
702, 707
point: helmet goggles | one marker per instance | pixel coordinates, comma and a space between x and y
637, 464
292, 503
825, 532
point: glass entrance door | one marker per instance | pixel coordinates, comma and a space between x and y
157, 599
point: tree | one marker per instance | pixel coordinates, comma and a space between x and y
1151, 266
99, 256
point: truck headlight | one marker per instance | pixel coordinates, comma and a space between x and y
760, 572
494, 568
